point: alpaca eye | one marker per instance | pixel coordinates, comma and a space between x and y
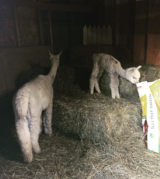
134, 77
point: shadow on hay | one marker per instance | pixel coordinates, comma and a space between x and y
9, 147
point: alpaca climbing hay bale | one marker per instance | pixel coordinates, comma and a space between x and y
126, 88
96, 118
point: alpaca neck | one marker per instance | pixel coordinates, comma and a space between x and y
52, 73
121, 72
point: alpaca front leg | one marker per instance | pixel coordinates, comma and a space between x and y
47, 119
24, 139
35, 129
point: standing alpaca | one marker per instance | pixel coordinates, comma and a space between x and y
28, 104
104, 62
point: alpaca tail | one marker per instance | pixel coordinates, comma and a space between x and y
24, 139
20, 106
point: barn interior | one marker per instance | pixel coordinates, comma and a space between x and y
94, 136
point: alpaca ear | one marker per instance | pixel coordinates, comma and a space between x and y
60, 54
139, 67
131, 69
50, 54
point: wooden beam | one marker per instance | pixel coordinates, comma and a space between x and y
153, 35
51, 31
50, 6
40, 27
140, 31
17, 27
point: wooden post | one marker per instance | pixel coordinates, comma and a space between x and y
50, 27
72, 28
140, 32
117, 3
153, 34
17, 27
40, 27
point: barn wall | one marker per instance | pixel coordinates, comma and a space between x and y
153, 33
140, 35
16, 63
147, 32
7, 27
120, 15
25, 36
28, 26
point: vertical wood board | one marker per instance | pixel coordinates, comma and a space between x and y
19, 60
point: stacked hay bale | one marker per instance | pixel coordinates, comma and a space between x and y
64, 81
127, 89
95, 118
98, 119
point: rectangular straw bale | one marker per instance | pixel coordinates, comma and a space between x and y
98, 119
126, 88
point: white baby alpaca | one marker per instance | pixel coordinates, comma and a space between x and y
28, 104
104, 62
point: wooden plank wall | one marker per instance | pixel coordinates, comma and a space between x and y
17, 61
140, 34
153, 34
147, 32
120, 14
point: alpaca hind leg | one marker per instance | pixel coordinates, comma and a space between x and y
97, 81
97, 86
116, 81
93, 78
24, 139
91, 86
35, 129
47, 120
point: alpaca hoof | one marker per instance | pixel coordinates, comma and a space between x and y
48, 132
28, 159
37, 150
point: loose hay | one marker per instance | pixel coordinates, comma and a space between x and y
119, 153
67, 158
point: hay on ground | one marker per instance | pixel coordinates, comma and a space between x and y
113, 145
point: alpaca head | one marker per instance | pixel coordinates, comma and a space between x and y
55, 59
133, 74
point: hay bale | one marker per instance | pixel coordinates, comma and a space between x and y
64, 81
126, 88
98, 119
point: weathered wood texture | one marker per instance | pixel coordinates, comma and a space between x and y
3, 87
122, 18
50, 6
140, 34
28, 26
16, 61
153, 34
147, 32
120, 14
7, 27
